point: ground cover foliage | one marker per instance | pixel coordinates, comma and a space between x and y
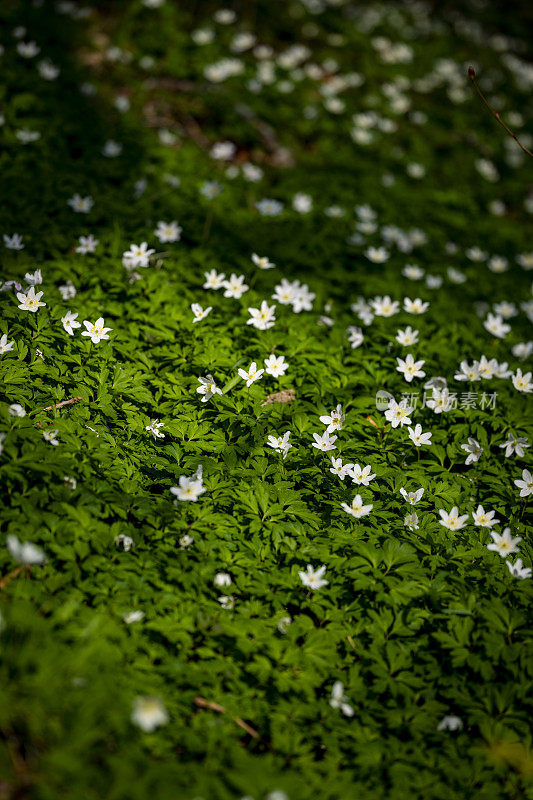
174, 643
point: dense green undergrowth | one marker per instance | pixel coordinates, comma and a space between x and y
362, 163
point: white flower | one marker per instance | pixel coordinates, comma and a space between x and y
122, 103
25, 552
16, 410
67, 290
214, 280
199, 312
517, 570
335, 420
515, 444
418, 438
416, 306
189, 488
70, 321
362, 477
6, 346
378, 255
96, 331
384, 306
452, 521
285, 292
407, 336
498, 263
324, 442
505, 309
148, 713
340, 469
484, 519
356, 508
521, 382
450, 723
168, 231
124, 541
70, 482
133, 616
526, 484
81, 204
223, 151
28, 49
473, 449
276, 794
269, 208
275, 365
500, 370
50, 436
30, 301
262, 318
227, 601
413, 272
455, 275
34, 278
411, 521
525, 260
262, 262
222, 579
251, 172
504, 544
154, 428
355, 336
495, 325
440, 401
253, 374
25, 136
235, 286
280, 443
208, 388
410, 368
302, 298
185, 541
398, 413
111, 149
88, 244
314, 578
137, 256
210, 189
412, 497
339, 699
433, 281
13, 242
283, 624
467, 372
303, 203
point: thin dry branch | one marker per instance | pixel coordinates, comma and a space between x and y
496, 114
13, 574
63, 403
203, 703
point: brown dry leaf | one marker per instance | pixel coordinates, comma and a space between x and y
285, 396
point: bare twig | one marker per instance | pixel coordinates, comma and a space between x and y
63, 403
10, 575
203, 703
496, 114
